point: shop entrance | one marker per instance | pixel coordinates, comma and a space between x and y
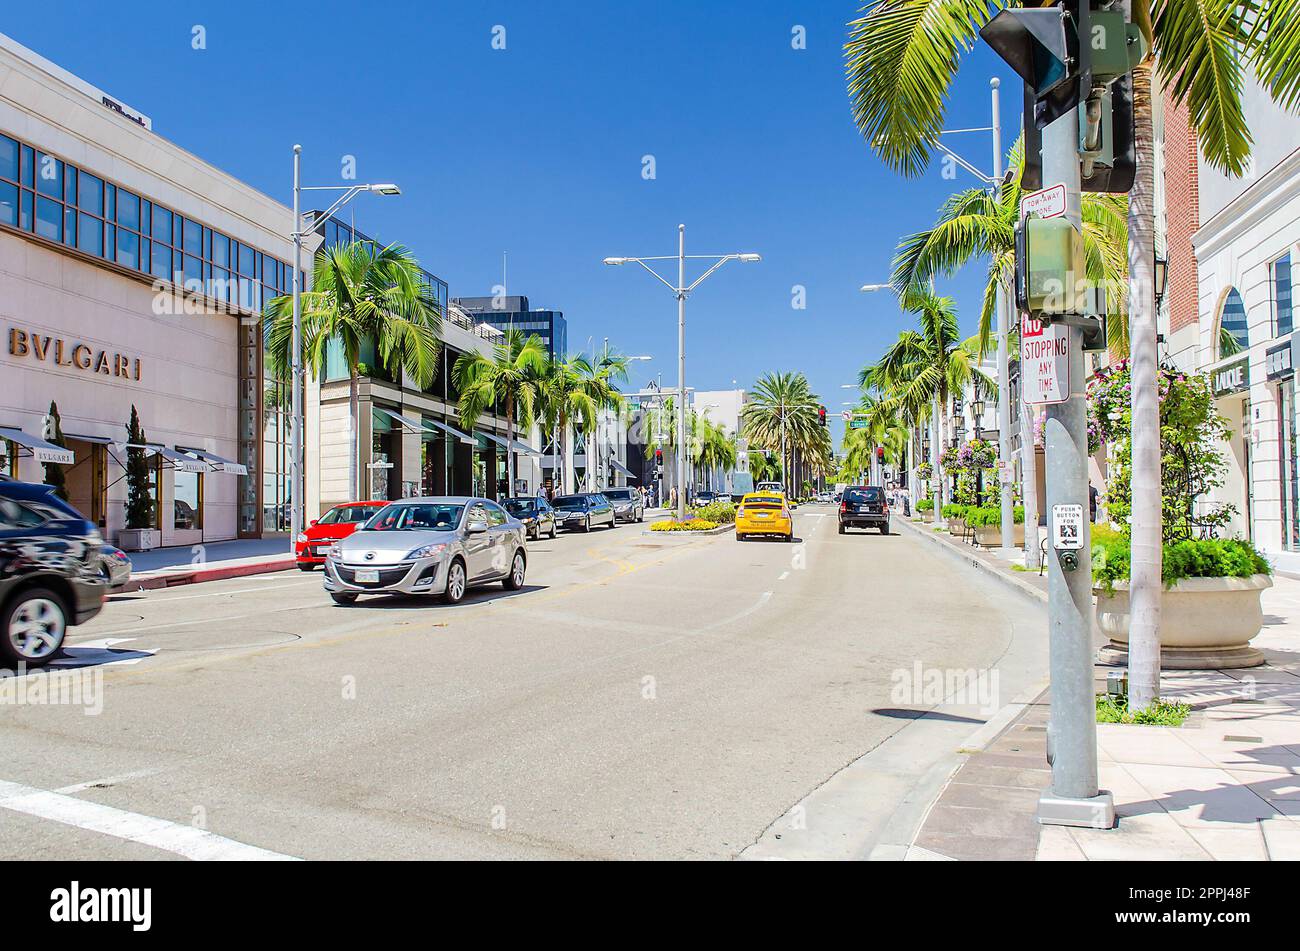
87, 479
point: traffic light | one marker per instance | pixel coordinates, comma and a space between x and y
880, 454
821, 415
659, 457
1114, 169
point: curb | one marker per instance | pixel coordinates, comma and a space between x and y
165, 579
1023, 588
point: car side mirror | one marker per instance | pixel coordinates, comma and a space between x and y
476, 528
313, 522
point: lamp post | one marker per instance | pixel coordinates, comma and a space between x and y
296, 500
681, 290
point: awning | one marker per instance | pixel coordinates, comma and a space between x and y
41, 450
623, 469
221, 462
450, 430
100, 440
526, 449
495, 438
408, 423
181, 461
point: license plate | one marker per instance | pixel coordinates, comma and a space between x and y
364, 575
762, 515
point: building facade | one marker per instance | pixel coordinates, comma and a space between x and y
506, 313
132, 274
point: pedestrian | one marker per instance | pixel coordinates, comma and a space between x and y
1092, 502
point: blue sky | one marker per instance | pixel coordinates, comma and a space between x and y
537, 150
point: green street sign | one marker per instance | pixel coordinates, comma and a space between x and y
857, 424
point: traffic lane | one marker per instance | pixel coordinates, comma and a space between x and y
553, 728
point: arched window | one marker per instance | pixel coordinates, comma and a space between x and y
1233, 336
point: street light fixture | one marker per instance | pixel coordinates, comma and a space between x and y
871, 288
681, 290
296, 500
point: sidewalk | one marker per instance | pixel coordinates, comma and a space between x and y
214, 561
1223, 786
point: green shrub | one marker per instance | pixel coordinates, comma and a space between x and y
1190, 558
985, 515
925, 505
953, 511
722, 512
1161, 713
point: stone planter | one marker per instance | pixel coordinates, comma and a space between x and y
990, 536
957, 527
926, 516
139, 539
1205, 623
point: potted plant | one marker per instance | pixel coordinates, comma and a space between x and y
954, 514
925, 509
986, 520
140, 533
1210, 608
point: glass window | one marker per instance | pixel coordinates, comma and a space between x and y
1233, 334
187, 500
90, 234
128, 248
1283, 322
110, 241
219, 284
8, 204
146, 216
246, 258
162, 224
69, 225
425, 516
162, 262
25, 211
69, 185
8, 158
220, 249
128, 210
193, 274
90, 194
49, 219
110, 202
193, 232
29, 165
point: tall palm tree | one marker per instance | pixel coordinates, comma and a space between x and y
902, 56
513, 378
607, 371
361, 294
782, 414
567, 400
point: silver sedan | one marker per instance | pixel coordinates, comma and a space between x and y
428, 546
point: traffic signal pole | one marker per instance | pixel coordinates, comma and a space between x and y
1073, 798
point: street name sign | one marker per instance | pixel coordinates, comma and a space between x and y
857, 424
1048, 203
1045, 361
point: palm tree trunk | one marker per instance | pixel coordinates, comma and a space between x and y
354, 437
1145, 570
510, 448
937, 483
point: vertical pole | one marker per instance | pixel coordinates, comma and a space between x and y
681, 372
935, 490
296, 509
1073, 798
1004, 361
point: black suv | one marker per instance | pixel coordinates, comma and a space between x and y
864, 506
50, 574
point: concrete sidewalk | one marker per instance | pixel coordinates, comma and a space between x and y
1225, 785
214, 561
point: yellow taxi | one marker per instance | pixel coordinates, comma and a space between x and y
764, 513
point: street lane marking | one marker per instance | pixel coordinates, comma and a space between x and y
216, 594
784, 575
107, 781
186, 841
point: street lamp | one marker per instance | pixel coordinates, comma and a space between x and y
296, 500
872, 288
681, 290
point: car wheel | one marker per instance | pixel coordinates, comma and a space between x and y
455, 592
302, 567
35, 623
515, 580
346, 599
586, 527
841, 528
554, 531
884, 529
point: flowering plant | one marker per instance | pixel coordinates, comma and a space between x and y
924, 471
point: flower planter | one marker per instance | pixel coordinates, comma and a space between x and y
990, 536
956, 527
926, 516
139, 539
1205, 623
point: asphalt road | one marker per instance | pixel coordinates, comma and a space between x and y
642, 697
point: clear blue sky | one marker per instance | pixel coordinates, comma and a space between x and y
537, 150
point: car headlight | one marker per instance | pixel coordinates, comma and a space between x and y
336, 552
302, 536
428, 551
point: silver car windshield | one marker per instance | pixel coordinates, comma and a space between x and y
416, 517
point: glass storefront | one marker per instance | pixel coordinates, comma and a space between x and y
1289, 471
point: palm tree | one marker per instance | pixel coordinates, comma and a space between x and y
606, 372
782, 413
924, 367
513, 377
360, 295
566, 400
902, 56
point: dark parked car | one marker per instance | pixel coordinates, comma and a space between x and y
50, 572
583, 511
628, 504
864, 506
536, 514
705, 497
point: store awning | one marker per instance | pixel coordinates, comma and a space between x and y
99, 440
221, 463
623, 469
450, 430
405, 421
40, 450
495, 438
182, 462
526, 449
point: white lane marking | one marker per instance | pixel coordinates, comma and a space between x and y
182, 840
207, 620
784, 575
215, 594
102, 652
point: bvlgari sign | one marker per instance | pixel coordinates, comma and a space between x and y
72, 354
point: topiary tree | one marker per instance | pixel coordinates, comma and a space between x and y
1191, 430
54, 473
139, 479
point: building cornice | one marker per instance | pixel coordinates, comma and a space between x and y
1280, 184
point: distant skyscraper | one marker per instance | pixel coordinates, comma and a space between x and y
514, 312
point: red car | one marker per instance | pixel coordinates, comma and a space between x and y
341, 521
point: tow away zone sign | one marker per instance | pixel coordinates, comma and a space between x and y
1045, 361
1048, 203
